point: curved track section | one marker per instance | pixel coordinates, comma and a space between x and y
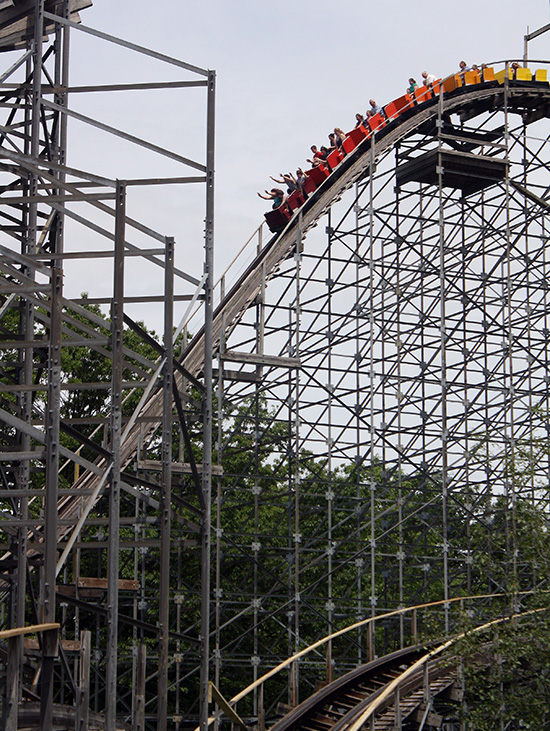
529, 99
338, 704
398, 321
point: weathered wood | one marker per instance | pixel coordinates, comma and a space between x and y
83, 704
261, 710
32, 645
63, 717
141, 674
260, 359
91, 582
94, 587
371, 645
17, 20
432, 719
9, 720
454, 693
181, 467
231, 375
229, 711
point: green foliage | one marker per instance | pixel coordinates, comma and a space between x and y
507, 676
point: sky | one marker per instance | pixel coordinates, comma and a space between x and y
287, 74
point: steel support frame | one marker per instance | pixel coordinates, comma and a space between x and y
419, 321
94, 504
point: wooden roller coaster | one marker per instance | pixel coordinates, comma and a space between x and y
416, 687
412, 686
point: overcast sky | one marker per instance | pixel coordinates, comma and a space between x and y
287, 73
291, 70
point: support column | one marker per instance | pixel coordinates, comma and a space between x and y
48, 604
59, 144
25, 377
443, 352
117, 314
139, 715
166, 489
207, 413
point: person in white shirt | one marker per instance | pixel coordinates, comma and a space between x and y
429, 79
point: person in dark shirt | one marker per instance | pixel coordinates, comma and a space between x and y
288, 180
276, 195
300, 179
340, 137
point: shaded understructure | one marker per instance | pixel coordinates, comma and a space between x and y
380, 413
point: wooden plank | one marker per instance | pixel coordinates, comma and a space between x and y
432, 719
83, 699
229, 711
141, 675
64, 717
32, 644
17, 21
89, 582
454, 693
95, 586
180, 467
230, 375
10, 720
260, 359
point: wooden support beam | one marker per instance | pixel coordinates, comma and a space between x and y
215, 695
141, 674
85, 582
431, 719
83, 700
177, 467
257, 359
33, 645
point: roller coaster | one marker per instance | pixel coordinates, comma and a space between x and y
420, 686
367, 384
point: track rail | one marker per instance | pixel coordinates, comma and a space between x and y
337, 705
413, 683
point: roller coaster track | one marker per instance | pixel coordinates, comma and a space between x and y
415, 687
526, 98
338, 704
530, 99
